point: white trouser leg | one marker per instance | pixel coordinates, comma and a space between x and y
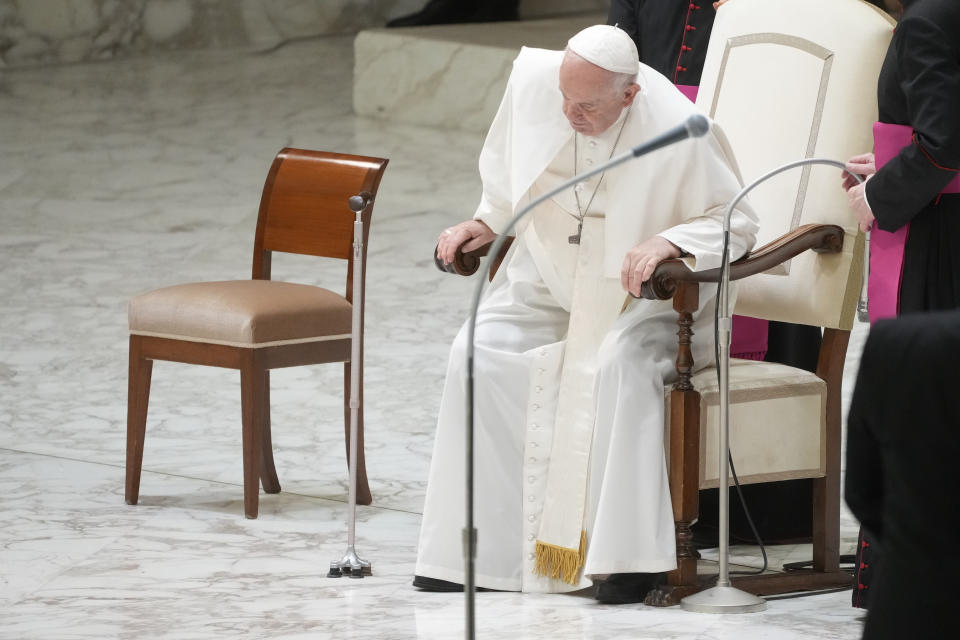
630, 525
519, 315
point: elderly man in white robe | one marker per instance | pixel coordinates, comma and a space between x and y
570, 370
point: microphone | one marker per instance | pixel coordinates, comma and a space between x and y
360, 201
694, 127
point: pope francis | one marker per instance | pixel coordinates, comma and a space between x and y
571, 480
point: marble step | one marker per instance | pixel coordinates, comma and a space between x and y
449, 76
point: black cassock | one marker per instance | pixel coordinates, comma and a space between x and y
903, 445
671, 35
919, 86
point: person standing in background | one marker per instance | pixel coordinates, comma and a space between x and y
915, 197
458, 11
902, 448
671, 35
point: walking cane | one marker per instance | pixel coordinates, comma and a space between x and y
351, 564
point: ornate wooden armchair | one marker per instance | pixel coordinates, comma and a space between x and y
785, 423
785, 83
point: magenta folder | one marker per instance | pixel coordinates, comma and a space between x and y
886, 248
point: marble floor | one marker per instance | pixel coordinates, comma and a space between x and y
120, 177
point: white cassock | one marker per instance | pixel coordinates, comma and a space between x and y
570, 370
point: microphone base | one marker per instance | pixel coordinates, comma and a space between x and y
723, 600
350, 565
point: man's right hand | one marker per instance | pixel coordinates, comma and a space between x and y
472, 232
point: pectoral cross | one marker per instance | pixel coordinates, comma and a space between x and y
575, 238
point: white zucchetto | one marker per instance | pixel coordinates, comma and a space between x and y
607, 47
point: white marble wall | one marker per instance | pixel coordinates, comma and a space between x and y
51, 31
449, 76
55, 31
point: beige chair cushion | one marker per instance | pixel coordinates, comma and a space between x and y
243, 313
777, 422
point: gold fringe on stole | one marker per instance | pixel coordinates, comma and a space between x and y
561, 563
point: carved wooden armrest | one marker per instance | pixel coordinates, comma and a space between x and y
467, 263
821, 238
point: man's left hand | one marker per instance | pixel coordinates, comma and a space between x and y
639, 263
858, 202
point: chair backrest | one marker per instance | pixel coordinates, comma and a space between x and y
788, 80
305, 205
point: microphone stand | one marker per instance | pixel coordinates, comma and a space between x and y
695, 126
724, 598
863, 306
351, 564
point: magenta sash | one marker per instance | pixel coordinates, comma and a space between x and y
886, 248
748, 338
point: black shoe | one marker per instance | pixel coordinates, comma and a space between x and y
627, 588
435, 585
458, 11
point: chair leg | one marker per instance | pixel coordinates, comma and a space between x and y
826, 524
268, 472
684, 467
138, 397
363, 486
251, 400
826, 490
684, 479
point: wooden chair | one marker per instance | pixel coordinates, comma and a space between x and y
259, 324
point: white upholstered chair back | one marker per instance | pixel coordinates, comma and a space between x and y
793, 79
